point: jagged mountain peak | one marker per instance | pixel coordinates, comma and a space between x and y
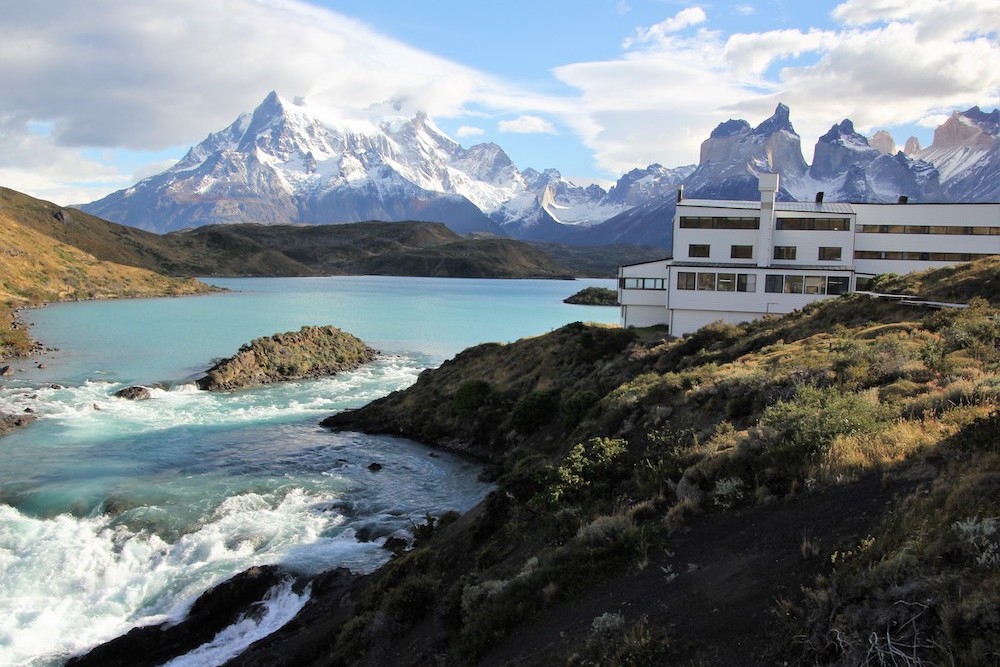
730, 128
883, 142
987, 122
971, 128
779, 121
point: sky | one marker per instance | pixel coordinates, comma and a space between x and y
97, 94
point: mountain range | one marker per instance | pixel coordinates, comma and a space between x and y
288, 163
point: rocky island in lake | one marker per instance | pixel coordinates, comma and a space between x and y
594, 296
308, 353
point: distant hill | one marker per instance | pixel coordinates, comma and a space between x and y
380, 248
37, 267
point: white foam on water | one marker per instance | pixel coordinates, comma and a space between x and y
280, 606
68, 584
91, 409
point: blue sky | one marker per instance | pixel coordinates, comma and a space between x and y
103, 93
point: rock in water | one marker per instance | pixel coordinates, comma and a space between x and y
213, 611
133, 393
594, 296
308, 353
9, 423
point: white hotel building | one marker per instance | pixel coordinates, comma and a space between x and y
738, 260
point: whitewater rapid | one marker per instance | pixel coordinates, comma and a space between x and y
164, 498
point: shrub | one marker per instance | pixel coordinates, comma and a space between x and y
469, 397
590, 470
728, 491
801, 429
409, 601
575, 407
603, 530
981, 537
532, 411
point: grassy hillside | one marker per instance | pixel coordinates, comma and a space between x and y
821, 488
35, 268
416, 248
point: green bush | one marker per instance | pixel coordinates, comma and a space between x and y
532, 411
590, 471
409, 601
469, 397
575, 407
803, 428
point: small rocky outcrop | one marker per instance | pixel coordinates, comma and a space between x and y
308, 353
6, 371
135, 393
215, 610
594, 296
10, 423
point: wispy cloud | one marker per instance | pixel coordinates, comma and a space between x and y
660, 33
527, 125
469, 131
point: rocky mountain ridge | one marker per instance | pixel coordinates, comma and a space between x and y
290, 163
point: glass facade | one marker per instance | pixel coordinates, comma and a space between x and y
718, 222
814, 224
709, 281
779, 283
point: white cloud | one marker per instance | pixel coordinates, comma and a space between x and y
469, 131
745, 10
527, 125
889, 62
660, 33
147, 75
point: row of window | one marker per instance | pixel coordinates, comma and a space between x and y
798, 284
692, 222
644, 283
719, 222
708, 281
930, 229
716, 282
786, 252
814, 224
919, 256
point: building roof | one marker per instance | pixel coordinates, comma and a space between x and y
754, 205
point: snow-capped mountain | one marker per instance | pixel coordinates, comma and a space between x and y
287, 162
963, 163
735, 153
966, 153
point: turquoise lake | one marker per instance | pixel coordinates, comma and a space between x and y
116, 513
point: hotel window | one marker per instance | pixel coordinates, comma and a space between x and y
838, 285
784, 252
698, 250
685, 280
815, 285
746, 282
830, 254
741, 252
774, 283
727, 282
706, 282
644, 283
793, 284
